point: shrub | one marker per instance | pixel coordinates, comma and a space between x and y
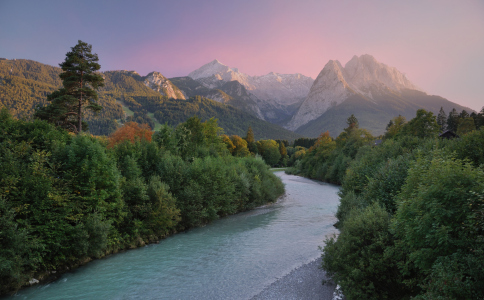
359, 260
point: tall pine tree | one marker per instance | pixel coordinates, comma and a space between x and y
442, 119
453, 120
80, 81
352, 122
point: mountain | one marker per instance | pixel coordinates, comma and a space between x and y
162, 85
372, 91
231, 119
277, 96
24, 84
231, 92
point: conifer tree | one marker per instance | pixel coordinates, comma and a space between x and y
250, 136
442, 119
453, 120
480, 119
464, 114
352, 122
80, 81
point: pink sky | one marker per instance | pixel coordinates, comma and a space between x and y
439, 45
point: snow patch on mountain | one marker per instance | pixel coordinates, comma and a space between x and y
283, 89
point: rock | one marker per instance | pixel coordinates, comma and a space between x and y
33, 281
266, 93
159, 83
363, 76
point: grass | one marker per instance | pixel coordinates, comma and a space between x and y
157, 124
126, 109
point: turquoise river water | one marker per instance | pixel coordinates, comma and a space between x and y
232, 258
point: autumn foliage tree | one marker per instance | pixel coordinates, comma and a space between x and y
132, 132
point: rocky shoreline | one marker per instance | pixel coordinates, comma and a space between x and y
304, 282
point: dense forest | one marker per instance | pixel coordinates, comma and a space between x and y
411, 215
65, 199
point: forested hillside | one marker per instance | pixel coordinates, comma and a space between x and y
232, 120
24, 84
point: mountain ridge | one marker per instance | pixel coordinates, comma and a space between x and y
388, 90
275, 95
24, 84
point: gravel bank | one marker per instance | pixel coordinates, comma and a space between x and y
302, 283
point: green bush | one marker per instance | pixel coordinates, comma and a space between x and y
437, 214
387, 182
359, 259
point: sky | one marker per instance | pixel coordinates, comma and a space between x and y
437, 44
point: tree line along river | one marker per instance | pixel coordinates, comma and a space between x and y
236, 257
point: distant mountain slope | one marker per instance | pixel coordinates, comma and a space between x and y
277, 96
24, 84
231, 92
375, 114
372, 91
231, 119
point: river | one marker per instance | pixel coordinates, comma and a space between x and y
232, 258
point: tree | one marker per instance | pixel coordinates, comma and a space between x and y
240, 146
479, 119
439, 225
228, 142
395, 126
453, 120
282, 150
357, 259
251, 144
250, 136
80, 81
269, 150
352, 122
442, 119
464, 114
132, 132
465, 126
324, 146
423, 125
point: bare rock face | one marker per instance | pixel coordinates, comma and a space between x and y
284, 89
163, 85
363, 76
329, 89
269, 92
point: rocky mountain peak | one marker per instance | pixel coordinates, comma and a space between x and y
212, 68
365, 71
285, 89
159, 83
362, 75
156, 76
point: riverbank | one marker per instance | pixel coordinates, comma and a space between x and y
236, 257
304, 282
